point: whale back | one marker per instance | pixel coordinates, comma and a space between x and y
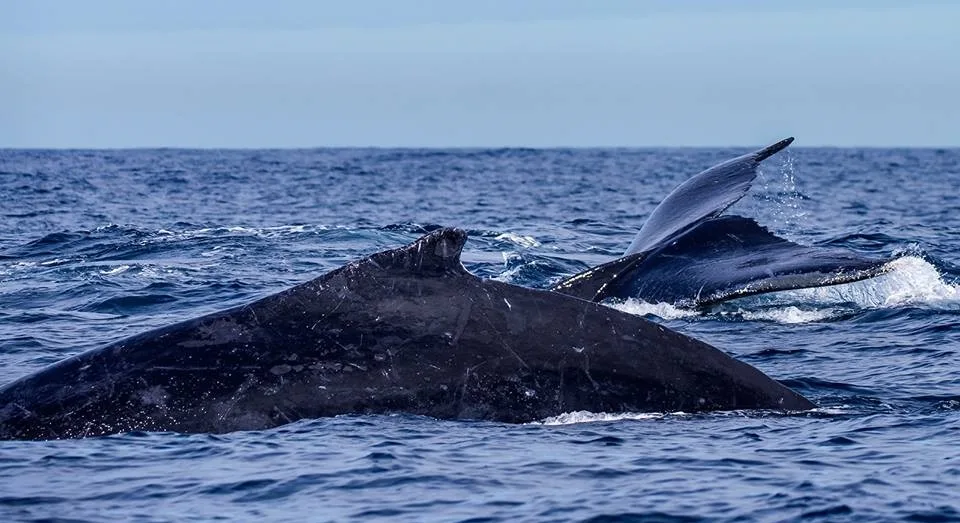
406, 330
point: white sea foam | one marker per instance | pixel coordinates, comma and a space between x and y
582, 416
8, 269
666, 311
269, 231
518, 266
836, 410
517, 239
115, 270
907, 281
260, 232
55, 261
791, 314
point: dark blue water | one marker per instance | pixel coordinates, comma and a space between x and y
98, 245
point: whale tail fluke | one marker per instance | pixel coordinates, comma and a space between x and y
687, 253
771, 150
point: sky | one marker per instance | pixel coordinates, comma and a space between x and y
459, 73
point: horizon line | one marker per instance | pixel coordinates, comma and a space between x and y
451, 147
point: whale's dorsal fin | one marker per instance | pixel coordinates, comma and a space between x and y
702, 197
435, 253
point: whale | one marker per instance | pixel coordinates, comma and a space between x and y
407, 330
690, 254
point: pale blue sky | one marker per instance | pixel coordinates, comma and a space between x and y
301, 73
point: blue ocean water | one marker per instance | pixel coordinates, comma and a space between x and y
99, 245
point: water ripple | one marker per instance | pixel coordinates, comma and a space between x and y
98, 245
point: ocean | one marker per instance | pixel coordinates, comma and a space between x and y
97, 245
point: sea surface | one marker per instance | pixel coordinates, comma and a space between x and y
96, 245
